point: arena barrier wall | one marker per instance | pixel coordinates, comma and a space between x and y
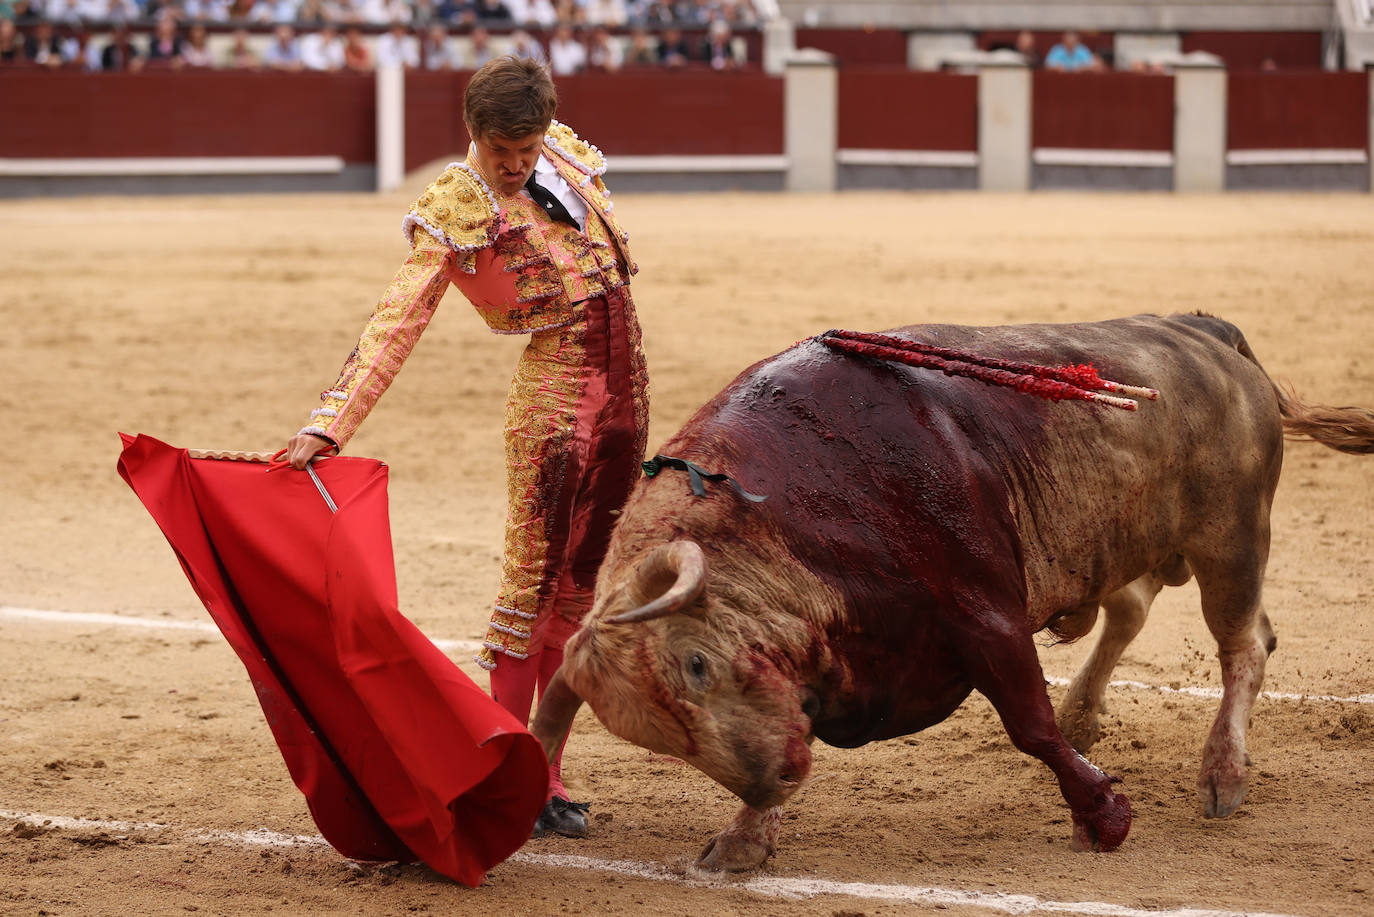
1113, 130
1304, 128
876, 127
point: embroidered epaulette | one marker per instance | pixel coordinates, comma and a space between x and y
584, 157
458, 209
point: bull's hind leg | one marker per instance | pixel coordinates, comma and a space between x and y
1230, 589
1126, 611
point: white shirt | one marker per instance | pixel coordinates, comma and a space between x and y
566, 57
319, 53
393, 51
548, 177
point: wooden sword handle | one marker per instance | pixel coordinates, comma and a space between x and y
230, 455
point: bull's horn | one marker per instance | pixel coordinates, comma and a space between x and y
681, 559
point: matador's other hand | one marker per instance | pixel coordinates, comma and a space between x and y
302, 447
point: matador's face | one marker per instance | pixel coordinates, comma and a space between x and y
507, 162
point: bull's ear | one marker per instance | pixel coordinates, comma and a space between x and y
666, 582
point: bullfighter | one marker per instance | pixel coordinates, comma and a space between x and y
525, 228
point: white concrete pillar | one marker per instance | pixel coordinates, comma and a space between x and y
779, 43
1199, 127
1004, 127
810, 119
391, 127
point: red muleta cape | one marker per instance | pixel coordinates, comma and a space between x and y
399, 754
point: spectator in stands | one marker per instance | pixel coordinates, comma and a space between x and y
311, 15
567, 55
493, 12
109, 10
654, 14
23, 12
274, 11
284, 51
241, 55
739, 15
523, 44
196, 51
165, 48
357, 55
718, 49
1071, 56
397, 48
540, 13
323, 50
206, 10
241, 10
642, 52
11, 43
77, 50
43, 47
424, 12
1025, 46
672, 49
121, 53
605, 12
480, 50
603, 52
68, 11
342, 12
379, 12
437, 52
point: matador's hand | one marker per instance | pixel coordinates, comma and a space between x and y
302, 447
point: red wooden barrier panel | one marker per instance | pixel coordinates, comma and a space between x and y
693, 112
899, 109
1298, 110
1102, 111
885, 47
1249, 50
186, 113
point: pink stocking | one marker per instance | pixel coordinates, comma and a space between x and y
512, 685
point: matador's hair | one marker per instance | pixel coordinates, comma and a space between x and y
510, 97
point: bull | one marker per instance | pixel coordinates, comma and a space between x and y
919, 529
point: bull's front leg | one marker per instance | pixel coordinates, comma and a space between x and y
748, 841
999, 654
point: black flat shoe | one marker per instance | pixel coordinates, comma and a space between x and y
562, 817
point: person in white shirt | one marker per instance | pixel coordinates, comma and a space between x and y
438, 52
283, 53
274, 11
397, 48
603, 51
566, 54
523, 44
382, 11
323, 50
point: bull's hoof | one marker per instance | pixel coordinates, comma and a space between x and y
746, 844
560, 816
1104, 828
1221, 790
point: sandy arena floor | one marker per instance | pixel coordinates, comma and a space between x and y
137, 775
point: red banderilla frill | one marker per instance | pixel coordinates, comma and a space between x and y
1056, 383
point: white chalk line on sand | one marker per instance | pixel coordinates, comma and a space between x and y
764, 886
93, 617
467, 646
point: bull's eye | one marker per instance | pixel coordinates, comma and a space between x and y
698, 667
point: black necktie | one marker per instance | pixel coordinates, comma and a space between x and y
551, 204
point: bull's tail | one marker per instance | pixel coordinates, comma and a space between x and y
1345, 429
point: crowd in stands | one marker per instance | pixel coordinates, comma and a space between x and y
340, 34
